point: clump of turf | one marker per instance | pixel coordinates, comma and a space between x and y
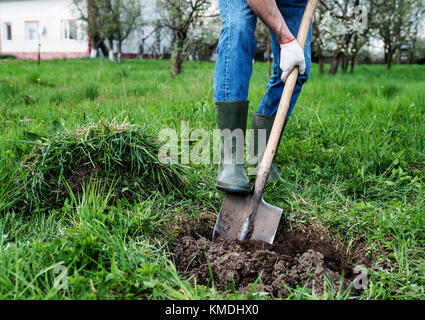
122, 155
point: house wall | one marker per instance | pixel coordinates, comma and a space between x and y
49, 14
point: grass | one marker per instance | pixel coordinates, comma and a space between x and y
353, 156
122, 155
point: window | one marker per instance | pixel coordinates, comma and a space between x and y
69, 29
31, 30
8, 31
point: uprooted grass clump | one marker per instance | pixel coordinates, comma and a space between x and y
122, 155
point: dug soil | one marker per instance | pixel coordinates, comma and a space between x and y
305, 257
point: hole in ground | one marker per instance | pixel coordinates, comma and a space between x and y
297, 257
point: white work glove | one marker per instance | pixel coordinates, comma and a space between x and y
291, 55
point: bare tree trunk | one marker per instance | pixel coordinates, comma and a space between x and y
177, 59
388, 54
414, 42
39, 54
338, 54
398, 55
398, 44
141, 49
335, 63
104, 49
157, 44
398, 50
344, 64
353, 63
412, 50
320, 56
354, 52
111, 50
321, 65
119, 52
98, 43
389, 59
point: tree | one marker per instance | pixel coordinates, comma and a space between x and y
121, 17
89, 12
111, 20
384, 25
204, 37
317, 41
179, 16
396, 23
409, 35
341, 28
157, 36
417, 54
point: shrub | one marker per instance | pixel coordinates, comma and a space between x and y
7, 56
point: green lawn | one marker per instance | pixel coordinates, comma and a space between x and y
353, 155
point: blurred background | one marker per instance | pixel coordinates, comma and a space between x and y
345, 32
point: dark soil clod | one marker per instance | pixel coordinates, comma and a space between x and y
79, 176
296, 258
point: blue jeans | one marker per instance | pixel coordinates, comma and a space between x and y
236, 50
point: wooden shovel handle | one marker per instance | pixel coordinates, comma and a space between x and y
269, 153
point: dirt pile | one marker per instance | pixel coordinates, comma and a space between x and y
297, 258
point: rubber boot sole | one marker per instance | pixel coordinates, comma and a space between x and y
232, 189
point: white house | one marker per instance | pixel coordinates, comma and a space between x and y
52, 27
48, 25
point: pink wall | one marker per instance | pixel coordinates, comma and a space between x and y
48, 55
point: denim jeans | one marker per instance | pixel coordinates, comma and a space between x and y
236, 50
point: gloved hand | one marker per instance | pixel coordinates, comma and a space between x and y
291, 55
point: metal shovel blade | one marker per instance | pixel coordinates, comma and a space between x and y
234, 219
266, 221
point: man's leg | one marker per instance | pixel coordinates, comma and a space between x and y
235, 52
233, 69
292, 11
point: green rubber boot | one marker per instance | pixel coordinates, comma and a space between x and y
232, 115
260, 121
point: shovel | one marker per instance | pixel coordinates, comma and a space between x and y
241, 215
